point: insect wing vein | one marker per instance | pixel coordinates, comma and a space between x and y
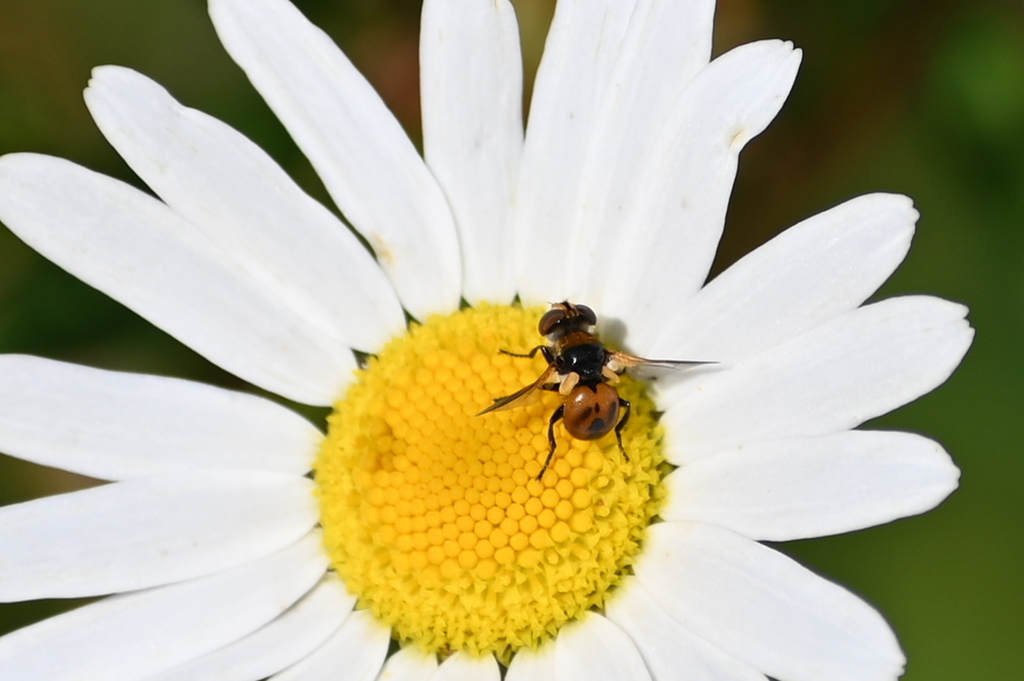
514, 400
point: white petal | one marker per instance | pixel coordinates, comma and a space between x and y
150, 531
591, 647
354, 653
129, 637
665, 45
765, 609
365, 160
471, 86
529, 664
283, 642
464, 667
138, 251
232, 193
409, 664
858, 366
818, 269
112, 425
574, 77
669, 649
669, 235
812, 487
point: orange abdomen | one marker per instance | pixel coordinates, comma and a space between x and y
591, 411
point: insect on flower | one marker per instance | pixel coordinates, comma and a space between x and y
583, 371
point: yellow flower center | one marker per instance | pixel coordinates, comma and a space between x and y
432, 514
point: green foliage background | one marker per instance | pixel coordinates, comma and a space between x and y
923, 98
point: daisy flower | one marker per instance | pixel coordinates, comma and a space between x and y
416, 538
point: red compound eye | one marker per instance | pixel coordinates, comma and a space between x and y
550, 320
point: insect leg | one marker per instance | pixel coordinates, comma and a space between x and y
551, 439
543, 349
626, 408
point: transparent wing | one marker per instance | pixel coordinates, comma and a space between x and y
516, 398
621, 361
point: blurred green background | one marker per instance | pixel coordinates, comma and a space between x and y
921, 98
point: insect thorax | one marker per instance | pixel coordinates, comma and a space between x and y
587, 360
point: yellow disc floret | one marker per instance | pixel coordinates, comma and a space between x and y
432, 514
